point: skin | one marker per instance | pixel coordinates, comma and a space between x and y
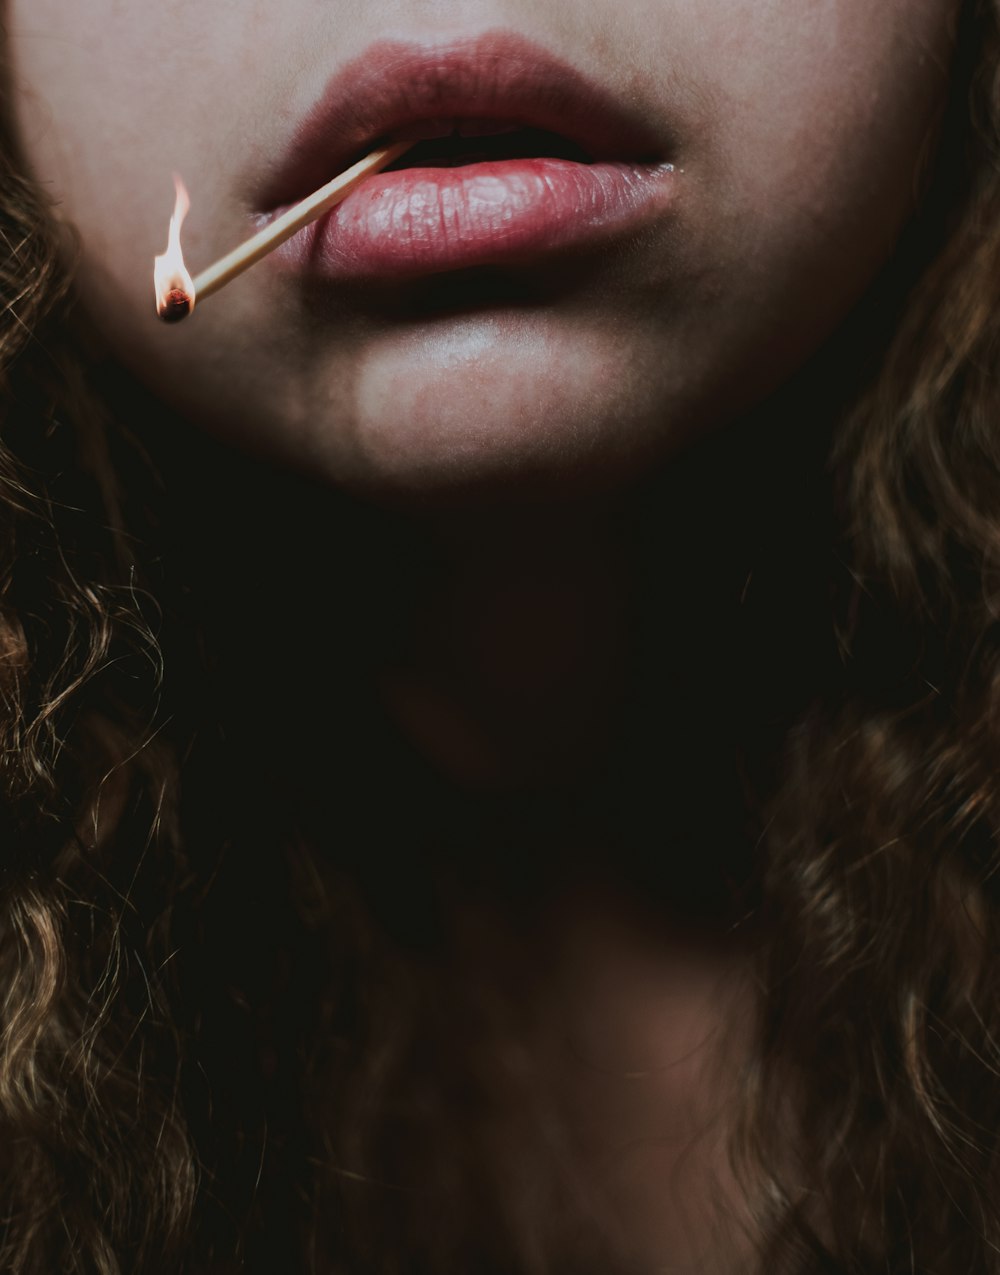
803, 129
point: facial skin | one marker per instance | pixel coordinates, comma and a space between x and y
800, 129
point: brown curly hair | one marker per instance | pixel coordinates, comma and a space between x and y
157, 1095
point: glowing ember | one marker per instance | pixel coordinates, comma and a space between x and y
173, 284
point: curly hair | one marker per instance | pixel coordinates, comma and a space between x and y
874, 801
879, 862
91, 1134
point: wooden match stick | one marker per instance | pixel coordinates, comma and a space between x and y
289, 223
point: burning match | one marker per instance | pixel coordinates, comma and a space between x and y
177, 292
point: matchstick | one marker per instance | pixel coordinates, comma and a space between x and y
289, 223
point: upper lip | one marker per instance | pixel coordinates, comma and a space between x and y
395, 87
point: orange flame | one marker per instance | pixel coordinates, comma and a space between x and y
174, 286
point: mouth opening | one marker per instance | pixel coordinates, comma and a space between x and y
455, 151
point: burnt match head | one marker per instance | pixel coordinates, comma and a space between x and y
176, 305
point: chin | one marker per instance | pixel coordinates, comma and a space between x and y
494, 407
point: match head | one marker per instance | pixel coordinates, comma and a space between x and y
176, 305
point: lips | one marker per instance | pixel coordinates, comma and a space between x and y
517, 153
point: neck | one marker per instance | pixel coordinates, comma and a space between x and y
596, 659
508, 665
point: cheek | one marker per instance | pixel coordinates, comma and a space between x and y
107, 109
823, 122
828, 122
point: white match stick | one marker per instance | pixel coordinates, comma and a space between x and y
289, 223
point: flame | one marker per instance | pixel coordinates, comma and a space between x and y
174, 286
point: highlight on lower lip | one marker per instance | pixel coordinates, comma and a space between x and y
426, 220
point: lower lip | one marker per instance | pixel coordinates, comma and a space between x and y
422, 221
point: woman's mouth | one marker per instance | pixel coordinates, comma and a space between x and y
515, 156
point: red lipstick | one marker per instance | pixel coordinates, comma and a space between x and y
521, 156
